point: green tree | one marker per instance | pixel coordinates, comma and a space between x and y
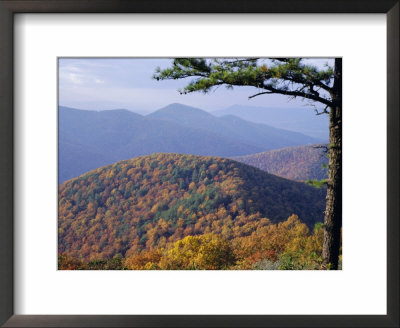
290, 77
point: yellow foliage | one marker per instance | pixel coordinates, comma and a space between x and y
192, 185
205, 252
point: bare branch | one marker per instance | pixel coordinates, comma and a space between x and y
316, 82
324, 147
261, 93
298, 93
324, 111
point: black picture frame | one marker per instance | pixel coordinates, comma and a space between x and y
10, 7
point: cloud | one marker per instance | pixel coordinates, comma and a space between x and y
78, 74
73, 78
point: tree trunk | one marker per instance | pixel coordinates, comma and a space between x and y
333, 211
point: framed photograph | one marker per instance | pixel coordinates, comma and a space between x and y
193, 166
171, 186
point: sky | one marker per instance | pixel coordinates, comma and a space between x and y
126, 83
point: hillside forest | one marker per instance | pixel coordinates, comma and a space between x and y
173, 211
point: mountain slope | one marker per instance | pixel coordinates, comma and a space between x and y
296, 163
233, 127
89, 139
302, 120
153, 200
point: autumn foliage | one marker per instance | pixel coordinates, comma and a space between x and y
298, 163
170, 211
288, 245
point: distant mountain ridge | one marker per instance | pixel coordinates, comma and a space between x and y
298, 163
91, 139
303, 119
230, 126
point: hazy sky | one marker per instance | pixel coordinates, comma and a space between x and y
110, 83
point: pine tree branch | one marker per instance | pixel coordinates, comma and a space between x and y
296, 93
309, 83
209, 77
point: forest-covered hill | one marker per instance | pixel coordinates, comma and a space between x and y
298, 163
152, 202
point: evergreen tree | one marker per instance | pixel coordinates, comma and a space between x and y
286, 76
